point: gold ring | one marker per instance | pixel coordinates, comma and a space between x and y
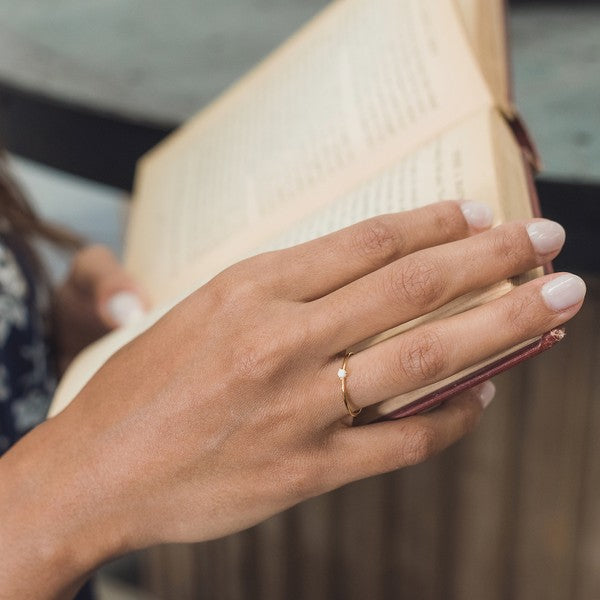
342, 374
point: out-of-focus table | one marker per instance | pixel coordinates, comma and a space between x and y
88, 86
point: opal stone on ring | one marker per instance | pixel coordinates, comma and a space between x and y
343, 374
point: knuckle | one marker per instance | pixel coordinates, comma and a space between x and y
256, 362
519, 314
417, 281
419, 445
449, 219
261, 264
80, 260
468, 415
301, 338
424, 357
302, 479
92, 253
236, 283
508, 244
376, 240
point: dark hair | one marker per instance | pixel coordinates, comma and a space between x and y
24, 226
16, 210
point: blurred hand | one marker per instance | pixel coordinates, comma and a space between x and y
98, 295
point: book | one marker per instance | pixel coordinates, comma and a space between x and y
375, 106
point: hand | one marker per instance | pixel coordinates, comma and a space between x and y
228, 410
97, 296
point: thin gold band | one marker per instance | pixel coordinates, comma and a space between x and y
342, 374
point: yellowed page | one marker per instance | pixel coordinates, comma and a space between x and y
459, 164
464, 162
357, 89
512, 171
485, 24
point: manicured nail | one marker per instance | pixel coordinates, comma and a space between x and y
546, 236
486, 393
563, 291
125, 308
477, 214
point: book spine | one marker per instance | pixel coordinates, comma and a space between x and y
525, 140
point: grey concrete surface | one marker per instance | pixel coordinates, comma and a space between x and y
556, 65
164, 60
148, 58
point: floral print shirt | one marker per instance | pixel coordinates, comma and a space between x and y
27, 377
27, 374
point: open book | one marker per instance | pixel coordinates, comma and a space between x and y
375, 106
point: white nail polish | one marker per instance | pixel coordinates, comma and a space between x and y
546, 236
125, 308
477, 214
486, 393
563, 291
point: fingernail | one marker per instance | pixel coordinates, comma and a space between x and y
486, 393
546, 236
563, 291
477, 214
125, 308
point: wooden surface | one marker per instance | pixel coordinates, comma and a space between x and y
512, 512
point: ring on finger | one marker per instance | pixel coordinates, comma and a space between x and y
343, 374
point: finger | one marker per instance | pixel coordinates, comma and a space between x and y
98, 274
382, 447
418, 284
433, 352
318, 267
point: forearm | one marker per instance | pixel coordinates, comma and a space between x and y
53, 527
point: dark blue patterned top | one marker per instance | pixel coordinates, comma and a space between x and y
27, 378
27, 374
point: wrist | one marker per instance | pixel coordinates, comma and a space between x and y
55, 528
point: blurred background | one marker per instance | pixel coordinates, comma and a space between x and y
86, 87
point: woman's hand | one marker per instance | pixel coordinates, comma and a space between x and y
229, 409
97, 296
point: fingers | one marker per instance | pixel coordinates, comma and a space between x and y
318, 267
417, 284
97, 274
432, 352
382, 447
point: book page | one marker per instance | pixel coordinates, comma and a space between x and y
461, 163
355, 90
512, 171
486, 27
